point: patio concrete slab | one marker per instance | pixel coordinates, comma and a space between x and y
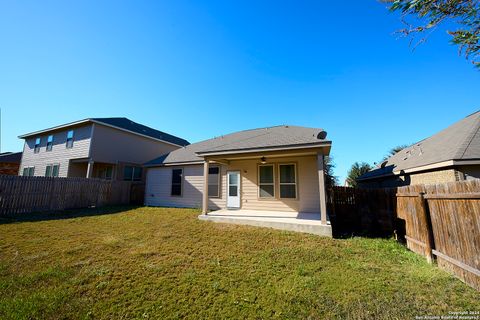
291, 221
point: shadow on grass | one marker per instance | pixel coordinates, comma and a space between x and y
65, 214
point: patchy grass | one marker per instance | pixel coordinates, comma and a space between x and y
164, 263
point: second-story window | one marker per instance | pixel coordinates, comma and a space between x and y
36, 149
70, 139
49, 143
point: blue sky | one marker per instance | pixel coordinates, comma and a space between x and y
199, 69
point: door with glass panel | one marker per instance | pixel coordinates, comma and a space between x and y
233, 189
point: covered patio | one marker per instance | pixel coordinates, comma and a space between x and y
306, 222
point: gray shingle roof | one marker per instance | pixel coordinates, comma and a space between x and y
121, 123
460, 141
129, 125
11, 157
263, 138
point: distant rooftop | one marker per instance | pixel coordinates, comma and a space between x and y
120, 123
460, 141
11, 157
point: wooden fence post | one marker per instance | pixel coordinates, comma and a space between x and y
424, 216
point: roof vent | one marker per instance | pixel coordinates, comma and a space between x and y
322, 135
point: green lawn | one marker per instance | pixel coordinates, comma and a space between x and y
164, 263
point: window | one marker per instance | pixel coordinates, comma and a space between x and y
214, 182
177, 177
36, 149
131, 173
288, 184
266, 183
49, 143
29, 171
106, 173
70, 139
52, 170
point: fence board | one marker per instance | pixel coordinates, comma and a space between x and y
454, 213
23, 195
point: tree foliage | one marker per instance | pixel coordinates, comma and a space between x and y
357, 169
429, 14
330, 179
394, 151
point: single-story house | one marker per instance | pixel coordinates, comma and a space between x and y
10, 162
104, 148
453, 154
267, 171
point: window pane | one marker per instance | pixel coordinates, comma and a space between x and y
31, 171
127, 173
266, 191
287, 173
213, 170
177, 176
55, 170
176, 190
287, 191
233, 178
266, 174
25, 171
70, 134
233, 191
48, 171
50, 138
37, 141
213, 190
108, 173
137, 174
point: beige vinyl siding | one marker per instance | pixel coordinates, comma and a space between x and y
111, 145
158, 187
308, 200
59, 154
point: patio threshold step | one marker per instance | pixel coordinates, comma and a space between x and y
313, 227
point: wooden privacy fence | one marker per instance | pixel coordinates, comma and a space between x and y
362, 211
443, 221
21, 195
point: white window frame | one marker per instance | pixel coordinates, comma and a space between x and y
49, 143
36, 147
28, 169
52, 165
181, 183
273, 183
70, 139
287, 183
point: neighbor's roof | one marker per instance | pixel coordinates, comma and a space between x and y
270, 138
459, 142
11, 157
124, 124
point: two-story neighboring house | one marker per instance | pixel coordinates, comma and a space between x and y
107, 148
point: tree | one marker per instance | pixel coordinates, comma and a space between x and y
357, 169
330, 179
394, 151
464, 15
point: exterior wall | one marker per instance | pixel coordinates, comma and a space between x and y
430, 177
110, 145
159, 183
59, 154
9, 168
433, 177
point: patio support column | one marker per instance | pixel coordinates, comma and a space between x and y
321, 188
205, 188
90, 168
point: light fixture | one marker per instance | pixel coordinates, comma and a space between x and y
264, 160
